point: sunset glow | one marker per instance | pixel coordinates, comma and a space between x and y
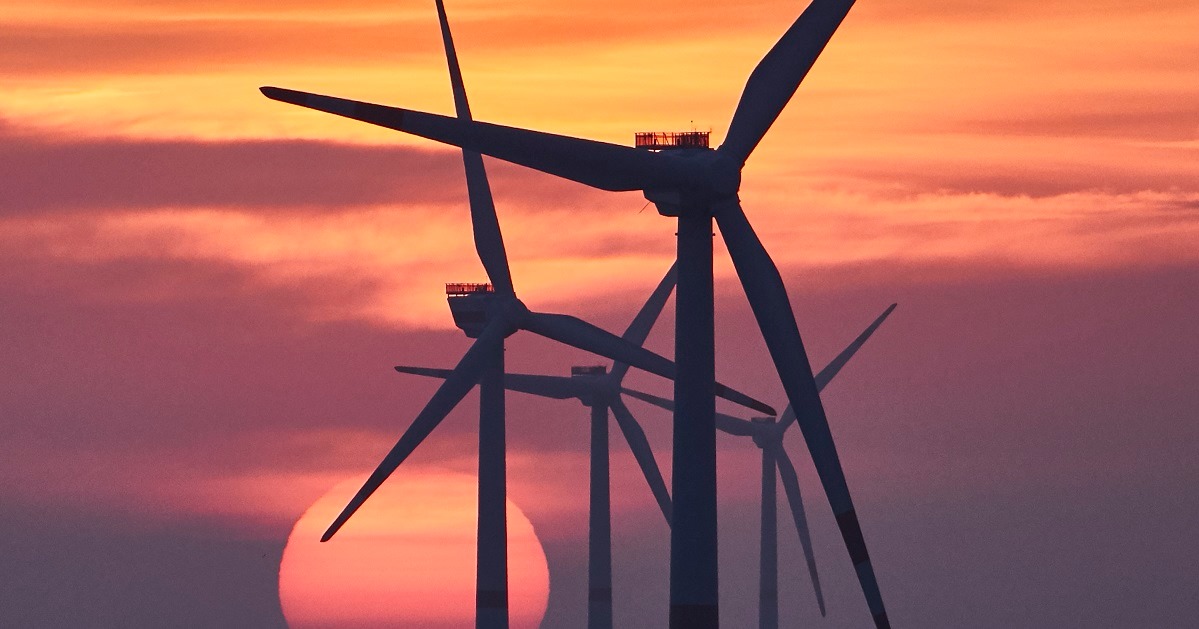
407, 559
940, 132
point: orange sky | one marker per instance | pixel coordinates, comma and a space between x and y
999, 130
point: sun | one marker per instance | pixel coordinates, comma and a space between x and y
406, 559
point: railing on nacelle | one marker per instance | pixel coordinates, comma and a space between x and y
461, 289
665, 140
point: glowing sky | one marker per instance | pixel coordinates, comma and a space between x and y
409, 560
202, 290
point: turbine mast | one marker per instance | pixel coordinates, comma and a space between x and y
768, 577
694, 587
599, 534
491, 577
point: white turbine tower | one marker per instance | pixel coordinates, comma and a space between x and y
696, 185
600, 390
768, 435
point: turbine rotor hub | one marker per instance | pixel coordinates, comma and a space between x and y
512, 311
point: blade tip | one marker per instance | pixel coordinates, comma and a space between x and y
331, 531
278, 94
283, 95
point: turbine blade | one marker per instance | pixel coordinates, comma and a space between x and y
738, 397
556, 387
598, 164
641, 325
644, 454
791, 486
733, 425
639, 329
447, 396
461, 106
788, 416
768, 298
833, 368
585, 336
427, 372
724, 423
660, 402
489, 241
779, 73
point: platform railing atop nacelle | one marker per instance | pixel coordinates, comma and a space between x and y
660, 140
463, 289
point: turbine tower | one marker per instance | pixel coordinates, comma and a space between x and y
599, 389
695, 185
768, 435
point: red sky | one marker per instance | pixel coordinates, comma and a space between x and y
203, 291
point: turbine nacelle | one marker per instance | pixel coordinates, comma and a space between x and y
598, 389
767, 432
474, 306
704, 179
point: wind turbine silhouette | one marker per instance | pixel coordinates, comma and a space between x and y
600, 390
695, 185
489, 314
768, 435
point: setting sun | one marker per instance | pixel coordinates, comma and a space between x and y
407, 559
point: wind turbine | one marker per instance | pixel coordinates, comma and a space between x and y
600, 390
696, 185
768, 435
489, 313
